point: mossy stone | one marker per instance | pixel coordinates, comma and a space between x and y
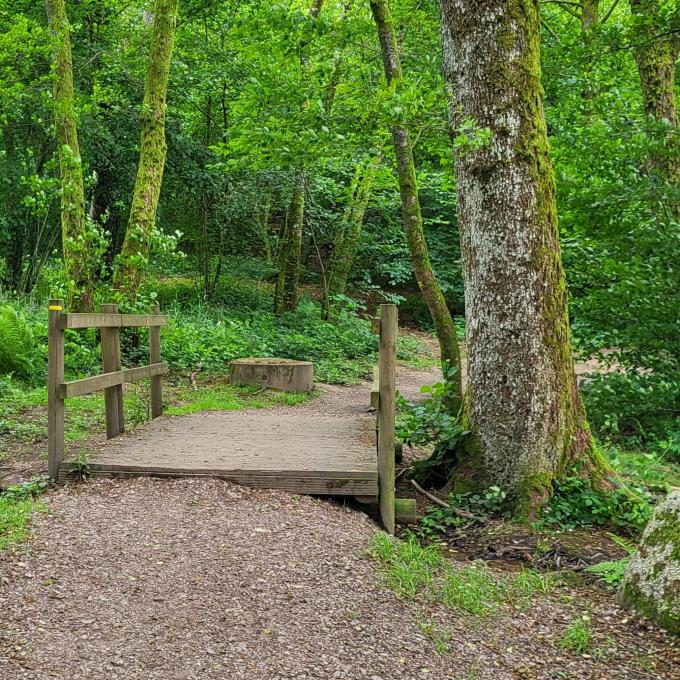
652, 580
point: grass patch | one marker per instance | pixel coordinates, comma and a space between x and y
412, 570
224, 397
577, 636
15, 514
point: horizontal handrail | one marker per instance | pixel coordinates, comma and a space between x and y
95, 320
77, 388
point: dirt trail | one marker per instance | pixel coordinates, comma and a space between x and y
190, 579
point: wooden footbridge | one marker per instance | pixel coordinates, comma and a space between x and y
297, 452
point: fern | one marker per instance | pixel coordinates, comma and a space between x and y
611, 572
16, 344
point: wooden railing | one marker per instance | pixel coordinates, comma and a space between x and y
111, 380
383, 393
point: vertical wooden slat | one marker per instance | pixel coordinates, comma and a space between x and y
155, 358
110, 341
386, 414
55, 376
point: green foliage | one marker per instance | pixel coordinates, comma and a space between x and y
482, 505
16, 344
575, 502
473, 590
577, 636
610, 572
25, 490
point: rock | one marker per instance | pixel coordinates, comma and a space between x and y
651, 583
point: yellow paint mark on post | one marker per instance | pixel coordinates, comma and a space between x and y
55, 308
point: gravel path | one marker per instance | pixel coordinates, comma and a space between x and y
197, 579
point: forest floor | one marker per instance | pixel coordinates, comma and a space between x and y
197, 579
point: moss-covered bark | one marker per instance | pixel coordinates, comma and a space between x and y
526, 421
590, 14
410, 205
655, 48
74, 231
352, 223
652, 580
290, 253
134, 255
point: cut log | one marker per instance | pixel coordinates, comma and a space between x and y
287, 375
405, 511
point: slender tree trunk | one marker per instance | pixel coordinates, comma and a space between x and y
134, 255
74, 233
410, 204
590, 14
526, 421
655, 49
286, 295
290, 256
352, 224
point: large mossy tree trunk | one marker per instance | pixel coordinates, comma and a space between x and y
410, 205
132, 261
74, 232
655, 48
286, 294
525, 419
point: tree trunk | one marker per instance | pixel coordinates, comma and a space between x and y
74, 234
410, 205
590, 14
655, 50
290, 255
526, 421
134, 255
352, 223
286, 294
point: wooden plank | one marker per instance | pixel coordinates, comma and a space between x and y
375, 388
293, 483
109, 365
142, 372
375, 325
386, 413
55, 377
77, 388
155, 358
112, 320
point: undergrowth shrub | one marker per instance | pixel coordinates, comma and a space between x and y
575, 502
17, 344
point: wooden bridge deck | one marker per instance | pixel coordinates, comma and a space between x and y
303, 453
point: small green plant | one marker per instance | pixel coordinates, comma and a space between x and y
473, 590
408, 567
577, 636
81, 467
529, 582
440, 638
610, 571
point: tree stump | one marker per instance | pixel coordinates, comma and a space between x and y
287, 375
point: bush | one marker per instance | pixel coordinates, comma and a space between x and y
17, 344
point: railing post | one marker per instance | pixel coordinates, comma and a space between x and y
111, 361
55, 376
386, 414
155, 358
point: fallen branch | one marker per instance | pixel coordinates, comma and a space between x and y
441, 503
